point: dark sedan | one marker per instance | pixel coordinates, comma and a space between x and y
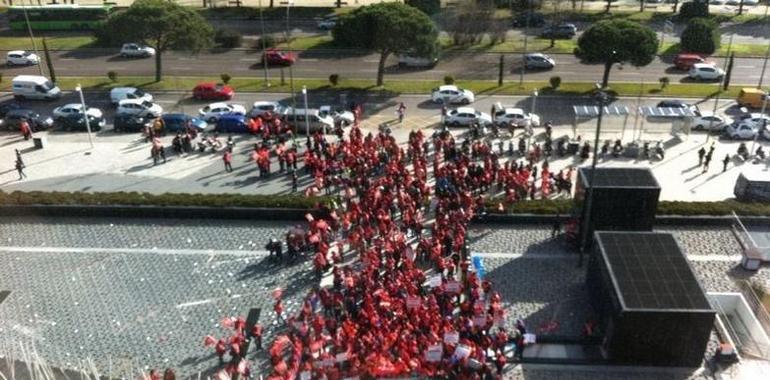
77, 122
13, 119
131, 123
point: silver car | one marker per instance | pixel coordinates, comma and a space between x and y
538, 61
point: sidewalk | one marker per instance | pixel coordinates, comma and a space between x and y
122, 163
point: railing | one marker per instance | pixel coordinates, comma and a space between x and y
760, 312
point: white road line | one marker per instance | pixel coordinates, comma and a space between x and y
310, 59
371, 60
745, 66
160, 251
251, 60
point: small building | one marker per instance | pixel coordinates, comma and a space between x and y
651, 307
625, 199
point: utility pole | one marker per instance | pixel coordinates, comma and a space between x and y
32, 38
602, 100
289, 3
264, 47
524, 54
764, 67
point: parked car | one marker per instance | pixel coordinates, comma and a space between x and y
232, 123
327, 22
538, 61
130, 123
74, 109
753, 119
119, 93
134, 50
276, 57
406, 60
7, 107
706, 120
12, 119
213, 111
751, 97
77, 122
315, 120
706, 71
21, 57
561, 31
466, 116
716, 2
261, 108
34, 87
528, 19
175, 122
741, 131
684, 61
139, 107
213, 91
505, 116
450, 94
340, 116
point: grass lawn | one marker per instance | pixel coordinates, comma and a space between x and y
59, 41
310, 42
393, 86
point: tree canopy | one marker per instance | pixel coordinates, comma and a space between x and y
162, 24
617, 41
700, 36
388, 28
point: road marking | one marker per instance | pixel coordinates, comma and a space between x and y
67, 59
745, 66
310, 59
371, 60
160, 251
250, 60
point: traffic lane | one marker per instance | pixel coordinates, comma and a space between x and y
319, 64
557, 109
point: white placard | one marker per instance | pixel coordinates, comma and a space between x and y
530, 339
461, 352
435, 281
413, 302
434, 353
451, 337
341, 357
453, 286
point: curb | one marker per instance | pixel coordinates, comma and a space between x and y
293, 214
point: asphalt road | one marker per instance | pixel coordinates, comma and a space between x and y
320, 64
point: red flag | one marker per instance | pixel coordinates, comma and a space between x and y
209, 341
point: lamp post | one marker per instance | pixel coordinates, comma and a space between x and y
85, 115
602, 99
32, 39
764, 65
289, 3
763, 126
530, 129
524, 53
307, 122
264, 61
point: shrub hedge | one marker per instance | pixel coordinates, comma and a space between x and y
169, 199
299, 201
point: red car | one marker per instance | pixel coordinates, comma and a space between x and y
277, 57
684, 61
213, 91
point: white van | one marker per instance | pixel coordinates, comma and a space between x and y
119, 93
316, 120
34, 87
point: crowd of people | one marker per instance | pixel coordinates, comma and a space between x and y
412, 304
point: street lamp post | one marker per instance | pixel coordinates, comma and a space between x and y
264, 61
524, 53
764, 67
291, 72
530, 130
307, 122
32, 39
762, 127
602, 100
85, 115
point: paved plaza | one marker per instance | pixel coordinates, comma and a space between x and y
136, 293
121, 162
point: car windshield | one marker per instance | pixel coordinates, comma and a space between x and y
147, 104
139, 93
26, 54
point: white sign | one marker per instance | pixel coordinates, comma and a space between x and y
412, 302
453, 286
529, 339
341, 357
461, 352
435, 281
434, 353
451, 337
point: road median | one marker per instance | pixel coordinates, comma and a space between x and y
396, 87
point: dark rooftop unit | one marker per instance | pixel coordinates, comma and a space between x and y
650, 304
625, 199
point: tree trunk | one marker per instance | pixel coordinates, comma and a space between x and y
158, 65
641, 6
606, 76
740, 8
381, 67
609, 3
49, 62
271, 4
676, 5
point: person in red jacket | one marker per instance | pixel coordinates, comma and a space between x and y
220, 349
256, 334
227, 157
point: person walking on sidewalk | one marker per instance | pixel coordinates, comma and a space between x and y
227, 157
18, 157
707, 161
701, 153
401, 112
725, 161
20, 169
